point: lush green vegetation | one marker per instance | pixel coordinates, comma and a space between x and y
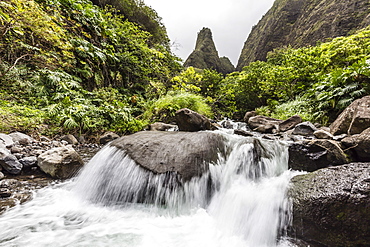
73, 66
317, 82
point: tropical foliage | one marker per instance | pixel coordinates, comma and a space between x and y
83, 66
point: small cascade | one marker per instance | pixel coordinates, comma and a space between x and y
240, 201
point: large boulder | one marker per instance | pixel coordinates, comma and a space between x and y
359, 145
331, 207
9, 162
315, 154
188, 120
354, 119
62, 162
264, 124
185, 153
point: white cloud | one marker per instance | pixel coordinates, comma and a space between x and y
230, 22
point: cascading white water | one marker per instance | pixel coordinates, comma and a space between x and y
240, 201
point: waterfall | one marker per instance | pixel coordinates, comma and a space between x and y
239, 201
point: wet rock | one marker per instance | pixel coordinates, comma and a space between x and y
359, 145
159, 126
5, 193
315, 154
10, 163
331, 206
243, 132
29, 162
290, 123
264, 124
188, 120
339, 137
70, 139
322, 134
304, 129
2, 175
354, 119
108, 137
62, 163
185, 153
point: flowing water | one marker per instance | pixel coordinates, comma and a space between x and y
240, 201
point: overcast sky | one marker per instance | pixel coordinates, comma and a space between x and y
230, 22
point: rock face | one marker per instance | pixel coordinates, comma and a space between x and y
205, 55
185, 153
331, 206
312, 155
359, 145
188, 120
62, 163
300, 23
354, 119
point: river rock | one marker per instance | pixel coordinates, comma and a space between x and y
304, 129
290, 123
359, 144
2, 175
188, 120
21, 138
186, 153
248, 115
315, 154
159, 126
331, 206
70, 139
28, 162
323, 134
264, 124
63, 162
108, 137
6, 140
354, 119
9, 162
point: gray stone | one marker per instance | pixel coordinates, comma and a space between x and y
185, 153
159, 126
108, 137
354, 119
188, 120
322, 134
62, 163
21, 138
359, 144
10, 163
290, 123
29, 161
315, 154
248, 115
70, 139
264, 124
304, 129
6, 140
331, 206
2, 175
